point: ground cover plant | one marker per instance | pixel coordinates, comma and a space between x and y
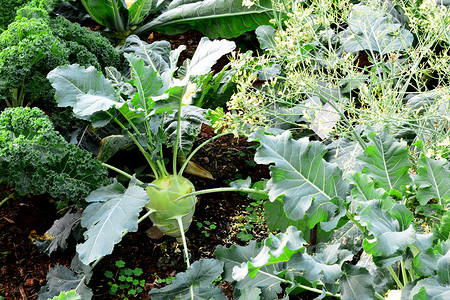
347, 108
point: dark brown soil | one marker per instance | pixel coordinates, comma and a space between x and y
24, 269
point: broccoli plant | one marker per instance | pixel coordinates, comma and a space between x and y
36, 43
36, 159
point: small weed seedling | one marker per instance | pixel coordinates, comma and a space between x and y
207, 226
125, 283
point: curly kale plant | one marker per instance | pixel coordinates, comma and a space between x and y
36, 43
36, 159
8, 10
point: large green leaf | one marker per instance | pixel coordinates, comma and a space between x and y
429, 288
300, 173
86, 90
372, 29
109, 13
237, 257
113, 211
324, 266
213, 18
391, 231
200, 275
386, 161
433, 179
356, 284
206, 55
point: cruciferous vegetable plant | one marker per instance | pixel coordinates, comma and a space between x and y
151, 106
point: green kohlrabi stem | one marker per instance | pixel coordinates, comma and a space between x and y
219, 190
355, 222
186, 252
121, 172
101, 257
178, 135
404, 274
136, 142
399, 284
183, 167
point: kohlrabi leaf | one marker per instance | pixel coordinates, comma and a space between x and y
443, 266
237, 257
70, 295
324, 266
432, 179
192, 118
374, 30
57, 235
146, 80
327, 213
156, 54
386, 161
200, 275
109, 13
364, 189
343, 152
391, 231
250, 293
300, 173
86, 90
139, 9
277, 249
113, 211
356, 283
213, 18
276, 217
266, 35
428, 288
206, 55
61, 279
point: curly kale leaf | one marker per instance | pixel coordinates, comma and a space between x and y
36, 43
8, 9
36, 159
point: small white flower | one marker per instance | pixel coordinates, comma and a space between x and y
248, 3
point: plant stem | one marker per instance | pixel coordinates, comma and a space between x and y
183, 167
355, 222
404, 274
122, 172
219, 190
378, 296
178, 135
399, 284
6, 199
186, 252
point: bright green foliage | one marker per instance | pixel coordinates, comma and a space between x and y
162, 194
8, 10
36, 43
36, 159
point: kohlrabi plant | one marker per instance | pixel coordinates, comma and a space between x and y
151, 106
213, 18
349, 236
